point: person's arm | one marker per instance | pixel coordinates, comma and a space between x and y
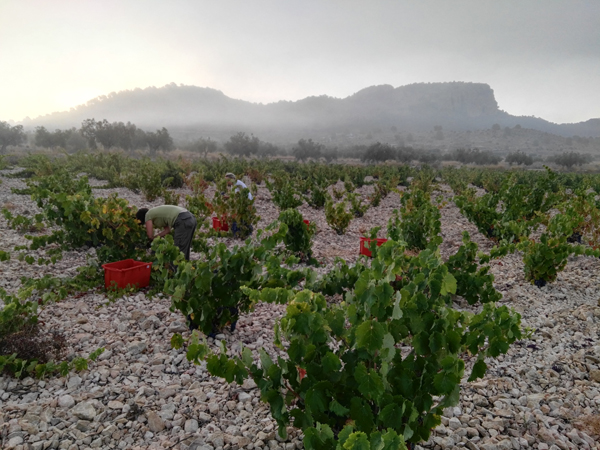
164, 232
150, 231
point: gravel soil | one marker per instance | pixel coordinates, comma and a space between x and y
141, 394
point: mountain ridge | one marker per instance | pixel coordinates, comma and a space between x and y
457, 106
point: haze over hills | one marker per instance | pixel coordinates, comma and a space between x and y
189, 111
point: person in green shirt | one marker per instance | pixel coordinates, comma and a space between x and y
169, 218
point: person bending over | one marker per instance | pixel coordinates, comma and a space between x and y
169, 218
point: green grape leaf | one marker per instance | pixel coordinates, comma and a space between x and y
451, 399
316, 398
338, 409
388, 350
315, 438
80, 364
265, 359
445, 382
479, 369
247, 358
176, 341
448, 284
376, 441
95, 354
345, 434
392, 441
331, 363
421, 343
391, 416
361, 412
196, 352
436, 341
397, 311
370, 383
369, 335
357, 441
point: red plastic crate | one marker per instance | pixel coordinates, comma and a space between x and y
127, 272
364, 245
220, 224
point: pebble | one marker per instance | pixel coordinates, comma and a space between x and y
244, 397
155, 423
84, 411
191, 426
65, 401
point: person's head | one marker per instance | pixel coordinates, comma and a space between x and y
231, 178
141, 215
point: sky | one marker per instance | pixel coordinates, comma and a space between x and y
541, 58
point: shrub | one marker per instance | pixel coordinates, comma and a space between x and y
420, 225
147, 178
379, 152
424, 180
318, 196
349, 185
241, 144
22, 223
481, 211
171, 175
519, 158
476, 156
208, 291
338, 195
82, 219
356, 206
284, 194
199, 206
255, 175
543, 260
299, 235
337, 217
171, 198
307, 149
474, 281
381, 191
570, 159
30, 343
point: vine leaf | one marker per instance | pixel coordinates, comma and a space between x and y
369, 335
448, 284
479, 369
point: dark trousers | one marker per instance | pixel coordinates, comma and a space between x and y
183, 232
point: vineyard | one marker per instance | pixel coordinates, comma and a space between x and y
472, 323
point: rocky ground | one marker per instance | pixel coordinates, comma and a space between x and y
544, 394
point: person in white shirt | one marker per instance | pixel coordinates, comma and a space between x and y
231, 179
246, 228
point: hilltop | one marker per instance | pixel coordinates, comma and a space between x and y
417, 109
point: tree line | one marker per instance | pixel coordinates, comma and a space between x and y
92, 135
127, 136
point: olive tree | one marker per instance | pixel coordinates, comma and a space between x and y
242, 145
11, 135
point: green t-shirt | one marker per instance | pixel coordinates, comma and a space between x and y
164, 216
